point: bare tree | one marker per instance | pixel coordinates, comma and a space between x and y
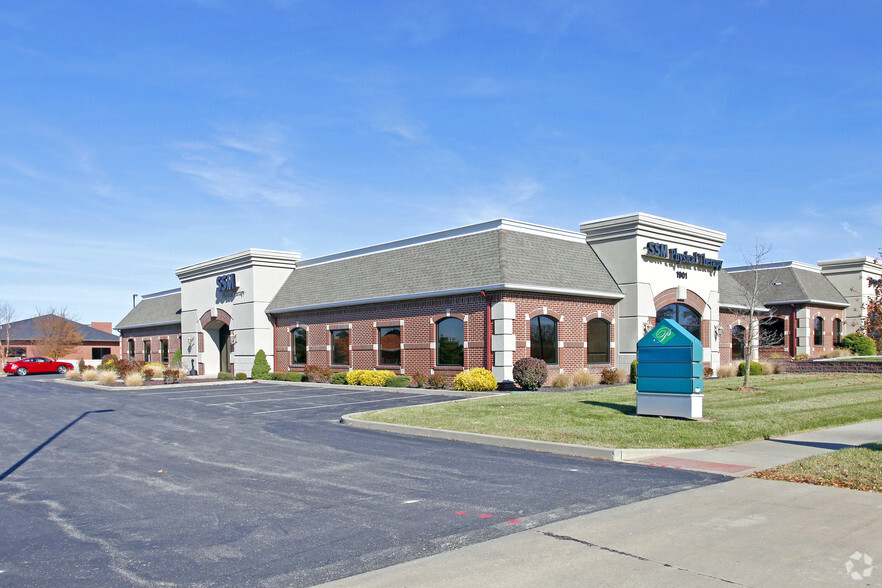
753, 288
58, 333
7, 316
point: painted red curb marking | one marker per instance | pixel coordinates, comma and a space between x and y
462, 512
514, 521
486, 516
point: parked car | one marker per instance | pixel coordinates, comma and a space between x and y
36, 365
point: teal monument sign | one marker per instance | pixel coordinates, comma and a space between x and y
669, 372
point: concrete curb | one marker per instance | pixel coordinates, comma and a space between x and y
608, 453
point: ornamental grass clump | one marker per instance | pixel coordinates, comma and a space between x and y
475, 380
585, 378
727, 371
134, 379
73, 375
90, 375
562, 381
105, 377
530, 373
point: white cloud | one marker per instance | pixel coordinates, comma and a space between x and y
847, 228
242, 166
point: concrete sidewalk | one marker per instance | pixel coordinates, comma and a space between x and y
746, 532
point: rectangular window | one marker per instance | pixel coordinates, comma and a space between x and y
147, 351
390, 345
99, 352
340, 346
298, 346
163, 350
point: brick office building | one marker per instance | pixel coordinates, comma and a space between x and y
488, 294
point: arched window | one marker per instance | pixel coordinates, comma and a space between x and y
449, 341
771, 332
819, 331
598, 341
298, 345
131, 349
739, 342
837, 332
684, 315
543, 338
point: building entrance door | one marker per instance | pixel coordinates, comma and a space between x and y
223, 340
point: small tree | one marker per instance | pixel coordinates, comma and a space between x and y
872, 321
7, 315
261, 369
58, 333
751, 293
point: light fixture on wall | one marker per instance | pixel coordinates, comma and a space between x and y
718, 331
233, 337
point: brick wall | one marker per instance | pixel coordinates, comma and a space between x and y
171, 333
417, 319
807, 366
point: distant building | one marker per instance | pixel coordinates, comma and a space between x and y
98, 339
488, 294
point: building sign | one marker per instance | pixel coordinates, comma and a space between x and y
226, 283
662, 251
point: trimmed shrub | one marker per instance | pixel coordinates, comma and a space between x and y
530, 373
287, 376
171, 375
314, 373
242, 376
151, 370
124, 367
177, 359
340, 378
420, 380
859, 344
475, 380
398, 382
609, 376
708, 372
92, 375
225, 376
108, 358
756, 368
261, 368
437, 381
562, 381
106, 377
634, 372
134, 378
375, 378
585, 378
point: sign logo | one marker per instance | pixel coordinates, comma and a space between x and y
663, 334
226, 283
662, 251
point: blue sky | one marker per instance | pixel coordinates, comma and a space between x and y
141, 136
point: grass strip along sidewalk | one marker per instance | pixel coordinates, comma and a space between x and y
858, 468
606, 416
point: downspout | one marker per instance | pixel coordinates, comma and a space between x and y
487, 339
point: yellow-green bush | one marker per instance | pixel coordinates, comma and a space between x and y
368, 377
475, 380
152, 370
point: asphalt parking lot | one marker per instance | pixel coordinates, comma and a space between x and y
259, 485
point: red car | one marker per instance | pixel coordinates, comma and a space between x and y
36, 365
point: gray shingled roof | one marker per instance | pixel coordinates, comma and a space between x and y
467, 262
730, 291
27, 330
793, 284
159, 310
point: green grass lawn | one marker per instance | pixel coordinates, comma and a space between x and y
858, 468
606, 416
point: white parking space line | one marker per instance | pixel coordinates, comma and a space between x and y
233, 394
340, 404
185, 391
294, 398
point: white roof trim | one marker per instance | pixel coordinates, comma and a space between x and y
158, 294
809, 301
493, 287
774, 265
